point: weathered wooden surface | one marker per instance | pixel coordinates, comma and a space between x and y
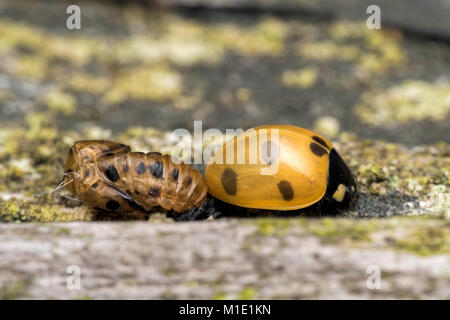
380, 96
210, 259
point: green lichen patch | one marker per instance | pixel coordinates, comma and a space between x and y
372, 52
154, 83
266, 38
416, 176
422, 235
303, 78
410, 101
339, 230
60, 102
220, 296
426, 241
19, 211
15, 290
272, 226
247, 293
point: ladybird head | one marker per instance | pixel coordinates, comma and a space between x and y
342, 189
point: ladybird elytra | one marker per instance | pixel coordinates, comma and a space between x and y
120, 180
308, 169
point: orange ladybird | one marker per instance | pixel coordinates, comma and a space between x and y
308, 169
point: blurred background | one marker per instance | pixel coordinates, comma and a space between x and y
230, 63
139, 69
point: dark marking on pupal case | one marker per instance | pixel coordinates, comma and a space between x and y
317, 149
154, 192
229, 181
156, 169
286, 190
140, 169
112, 205
175, 173
112, 174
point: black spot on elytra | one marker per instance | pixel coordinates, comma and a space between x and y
156, 169
320, 140
125, 168
175, 174
140, 169
154, 192
286, 190
229, 182
317, 149
112, 174
112, 205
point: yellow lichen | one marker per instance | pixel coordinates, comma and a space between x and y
266, 38
77, 50
31, 67
87, 83
247, 293
153, 83
243, 95
426, 241
303, 78
374, 52
327, 50
60, 102
343, 30
181, 51
337, 231
328, 126
409, 101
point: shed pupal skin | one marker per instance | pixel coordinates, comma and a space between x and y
108, 176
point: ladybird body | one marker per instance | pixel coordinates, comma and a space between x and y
280, 167
108, 176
